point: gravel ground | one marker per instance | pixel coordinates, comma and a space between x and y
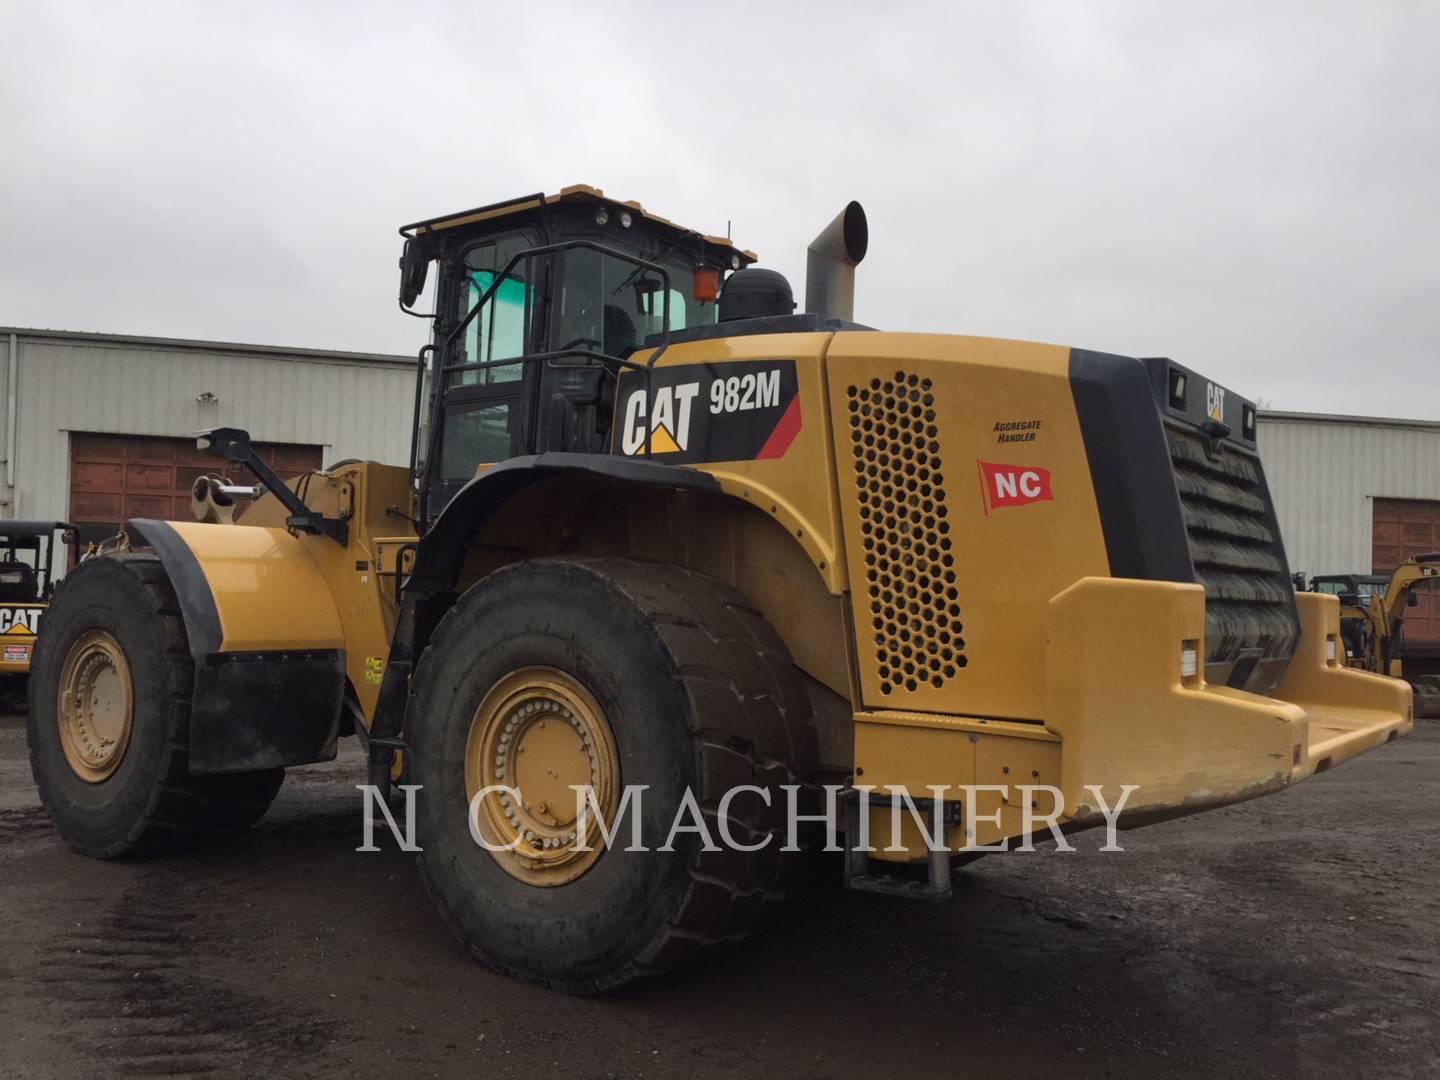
1298, 935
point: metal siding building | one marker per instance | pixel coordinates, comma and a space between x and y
1326, 473
63, 390
57, 385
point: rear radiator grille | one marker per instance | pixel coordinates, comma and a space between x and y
914, 606
1249, 602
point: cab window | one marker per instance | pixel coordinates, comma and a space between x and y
502, 328
609, 305
476, 433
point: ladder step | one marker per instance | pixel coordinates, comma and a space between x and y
859, 874
905, 888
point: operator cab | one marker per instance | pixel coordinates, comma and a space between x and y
541, 303
1354, 590
26, 555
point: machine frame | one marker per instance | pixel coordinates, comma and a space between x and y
765, 554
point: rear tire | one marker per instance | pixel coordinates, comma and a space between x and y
142, 795
699, 693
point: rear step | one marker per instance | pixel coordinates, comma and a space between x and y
380, 753
858, 872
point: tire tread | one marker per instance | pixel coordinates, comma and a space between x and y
181, 804
750, 711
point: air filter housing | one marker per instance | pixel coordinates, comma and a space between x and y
755, 293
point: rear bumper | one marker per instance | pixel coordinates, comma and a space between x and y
1125, 715
1119, 713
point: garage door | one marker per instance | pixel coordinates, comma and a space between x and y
1405, 527
117, 477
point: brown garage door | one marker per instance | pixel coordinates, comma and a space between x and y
1405, 527
117, 477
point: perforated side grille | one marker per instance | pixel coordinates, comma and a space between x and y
914, 606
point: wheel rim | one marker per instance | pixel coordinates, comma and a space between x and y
539, 731
96, 706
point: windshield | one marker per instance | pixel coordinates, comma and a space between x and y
610, 305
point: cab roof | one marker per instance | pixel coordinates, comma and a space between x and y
575, 193
12, 528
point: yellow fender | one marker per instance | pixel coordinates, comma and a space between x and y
267, 641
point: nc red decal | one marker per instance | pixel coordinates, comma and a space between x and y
1013, 485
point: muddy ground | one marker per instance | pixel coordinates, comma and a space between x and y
1298, 935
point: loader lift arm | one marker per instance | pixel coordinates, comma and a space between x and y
1407, 575
233, 444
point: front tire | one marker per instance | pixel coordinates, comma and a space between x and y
646, 674
109, 718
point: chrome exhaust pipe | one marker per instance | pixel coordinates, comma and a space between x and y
830, 264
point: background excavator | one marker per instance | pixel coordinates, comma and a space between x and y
1372, 621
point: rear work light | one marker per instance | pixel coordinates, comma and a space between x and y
1177, 389
1189, 660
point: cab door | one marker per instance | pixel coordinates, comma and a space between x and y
483, 412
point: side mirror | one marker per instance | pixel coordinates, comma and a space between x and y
414, 267
646, 291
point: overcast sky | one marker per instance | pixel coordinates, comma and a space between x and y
1247, 188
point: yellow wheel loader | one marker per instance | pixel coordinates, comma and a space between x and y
27, 577
669, 553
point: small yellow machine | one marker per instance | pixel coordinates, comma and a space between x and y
27, 549
1372, 616
1372, 609
669, 541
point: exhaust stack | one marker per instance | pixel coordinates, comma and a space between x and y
830, 264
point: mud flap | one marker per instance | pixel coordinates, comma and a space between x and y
254, 707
